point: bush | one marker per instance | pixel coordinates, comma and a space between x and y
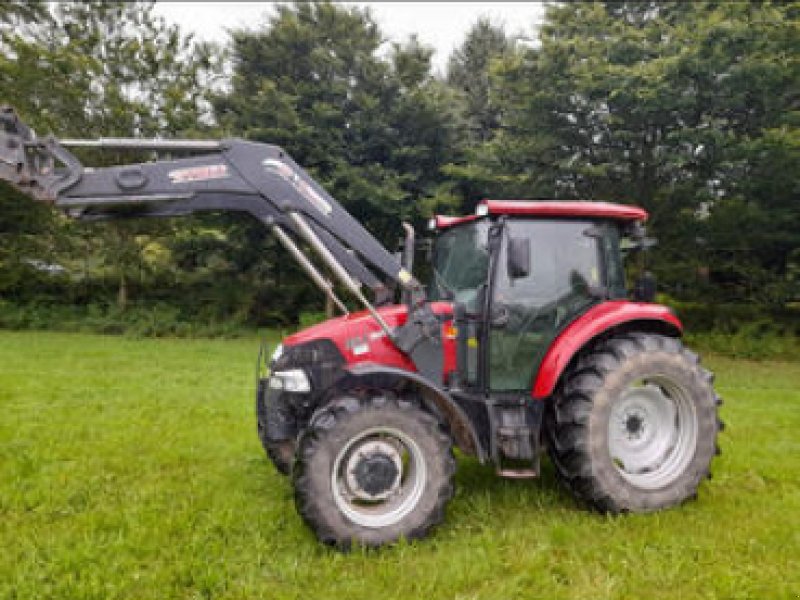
721, 330
732, 318
740, 330
137, 321
307, 319
754, 341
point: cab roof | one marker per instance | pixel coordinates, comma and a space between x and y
547, 208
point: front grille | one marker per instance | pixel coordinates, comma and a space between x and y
285, 414
310, 353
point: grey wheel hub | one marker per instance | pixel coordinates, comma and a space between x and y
378, 477
652, 432
373, 472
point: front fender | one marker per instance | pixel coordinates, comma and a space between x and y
433, 397
600, 319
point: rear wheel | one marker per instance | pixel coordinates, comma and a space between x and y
371, 468
634, 425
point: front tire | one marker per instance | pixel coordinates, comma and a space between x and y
372, 468
281, 452
634, 426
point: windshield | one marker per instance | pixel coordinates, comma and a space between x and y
460, 263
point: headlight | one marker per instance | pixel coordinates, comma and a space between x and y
277, 353
293, 380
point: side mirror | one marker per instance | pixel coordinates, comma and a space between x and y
644, 290
519, 257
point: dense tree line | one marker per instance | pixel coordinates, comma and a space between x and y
688, 109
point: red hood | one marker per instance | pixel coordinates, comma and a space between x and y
360, 339
394, 315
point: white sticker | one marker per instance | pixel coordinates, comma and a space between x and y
203, 173
288, 174
360, 349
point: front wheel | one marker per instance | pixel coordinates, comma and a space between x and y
279, 452
634, 425
373, 469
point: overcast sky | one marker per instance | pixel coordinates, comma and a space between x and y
439, 24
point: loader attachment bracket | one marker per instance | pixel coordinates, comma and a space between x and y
38, 168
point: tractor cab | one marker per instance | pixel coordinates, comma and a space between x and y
518, 274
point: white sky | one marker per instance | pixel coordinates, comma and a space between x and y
439, 24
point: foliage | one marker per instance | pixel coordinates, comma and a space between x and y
131, 469
750, 331
468, 70
374, 131
754, 341
95, 69
151, 320
688, 109
102, 68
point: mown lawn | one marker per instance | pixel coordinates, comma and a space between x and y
131, 469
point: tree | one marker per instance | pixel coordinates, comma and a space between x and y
468, 70
373, 130
313, 83
99, 68
673, 106
19, 12
430, 132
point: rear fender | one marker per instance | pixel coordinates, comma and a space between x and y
434, 399
602, 319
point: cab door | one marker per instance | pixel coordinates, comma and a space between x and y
554, 276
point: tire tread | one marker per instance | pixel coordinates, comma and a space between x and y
324, 424
569, 410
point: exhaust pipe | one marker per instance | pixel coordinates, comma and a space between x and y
408, 247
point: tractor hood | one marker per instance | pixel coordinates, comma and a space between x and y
360, 339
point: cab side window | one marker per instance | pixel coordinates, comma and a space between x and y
565, 267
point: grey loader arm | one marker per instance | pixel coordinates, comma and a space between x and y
228, 175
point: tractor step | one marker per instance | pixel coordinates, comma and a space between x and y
516, 442
518, 473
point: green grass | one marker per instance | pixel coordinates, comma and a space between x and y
131, 469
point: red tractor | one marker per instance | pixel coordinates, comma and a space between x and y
524, 340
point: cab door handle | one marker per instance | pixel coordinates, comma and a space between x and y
499, 317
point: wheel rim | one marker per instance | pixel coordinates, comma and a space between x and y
378, 477
652, 432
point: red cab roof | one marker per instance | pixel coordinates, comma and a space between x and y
549, 208
445, 221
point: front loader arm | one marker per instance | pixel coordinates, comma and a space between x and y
228, 175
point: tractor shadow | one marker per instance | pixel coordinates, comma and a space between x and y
480, 489
482, 501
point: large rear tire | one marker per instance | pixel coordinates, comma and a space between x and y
371, 469
633, 427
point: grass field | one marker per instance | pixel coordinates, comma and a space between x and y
131, 469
